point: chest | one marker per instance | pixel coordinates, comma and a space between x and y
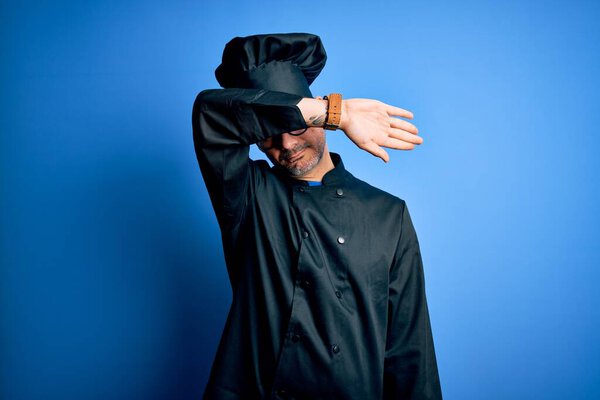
335, 225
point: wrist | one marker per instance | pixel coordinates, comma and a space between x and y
344, 116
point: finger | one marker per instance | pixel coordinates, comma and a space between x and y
377, 151
402, 124
401, 112
397, 144
405, 136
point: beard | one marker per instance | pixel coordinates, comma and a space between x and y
304, 166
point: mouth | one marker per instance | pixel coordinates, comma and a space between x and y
295, 157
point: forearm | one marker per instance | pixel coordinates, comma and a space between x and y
224, 117
250, 115
314, 111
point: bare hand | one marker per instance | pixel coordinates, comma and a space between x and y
371, 125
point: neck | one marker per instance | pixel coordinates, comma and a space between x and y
325, 165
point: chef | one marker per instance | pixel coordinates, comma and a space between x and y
326, 273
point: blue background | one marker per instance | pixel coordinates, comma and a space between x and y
112, 281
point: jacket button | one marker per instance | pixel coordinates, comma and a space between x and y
339, 192
335, 348
341, 240
338, 294
300, 282
301, 188
295, 337
305, 234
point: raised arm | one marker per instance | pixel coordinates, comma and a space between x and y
225, 122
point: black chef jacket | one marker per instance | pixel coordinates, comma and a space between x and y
328, 286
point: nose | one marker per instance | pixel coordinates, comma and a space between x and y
288, 142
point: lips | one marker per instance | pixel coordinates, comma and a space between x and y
296, 156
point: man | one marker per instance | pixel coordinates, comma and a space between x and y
328, 287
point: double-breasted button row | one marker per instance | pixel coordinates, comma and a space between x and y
340, 239
300, 282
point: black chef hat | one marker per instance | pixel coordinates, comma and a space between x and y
285, 62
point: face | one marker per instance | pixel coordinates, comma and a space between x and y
297, 154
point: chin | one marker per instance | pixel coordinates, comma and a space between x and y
303, 166
297, 171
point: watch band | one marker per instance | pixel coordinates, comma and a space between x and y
334, 111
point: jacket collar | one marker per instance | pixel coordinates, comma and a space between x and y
335, 176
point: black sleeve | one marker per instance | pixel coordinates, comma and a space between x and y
225, 123
410, 370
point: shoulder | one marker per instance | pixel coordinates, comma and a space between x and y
370, 193
385, 211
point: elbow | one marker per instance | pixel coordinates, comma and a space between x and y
199, 125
